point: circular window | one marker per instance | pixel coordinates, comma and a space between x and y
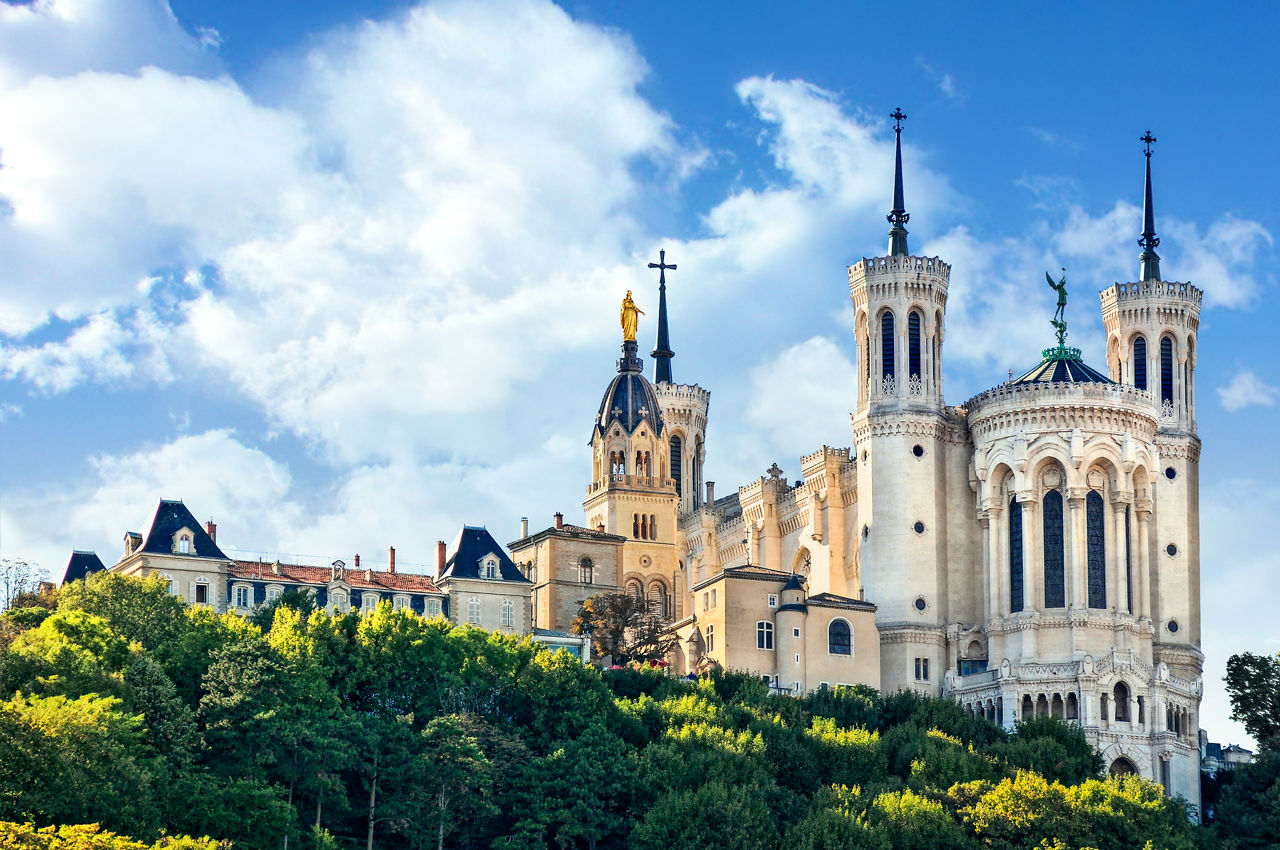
1171, 549
1170, 473
644, 561
1173, 626
917, 450
919, 527
920, 603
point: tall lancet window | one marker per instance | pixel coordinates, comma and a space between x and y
1055, 575
886, 345
676, 446
1140, 363
913, 346
1096, 548
1128, 561
1166, 370
1015, 555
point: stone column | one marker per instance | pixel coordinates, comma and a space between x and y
1077, 585
1119, 594
1142, 561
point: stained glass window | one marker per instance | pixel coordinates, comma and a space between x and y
913, 345
886, 345
1055, 588
839, 639
1166, 370
1015, 555
676, 447
1140, 363
1095, 529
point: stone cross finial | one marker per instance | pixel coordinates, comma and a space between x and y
774, 472
1149, 139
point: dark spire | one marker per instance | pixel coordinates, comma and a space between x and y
662, 354
898, 215
1150, 259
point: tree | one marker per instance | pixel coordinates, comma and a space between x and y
19, 577
623, 628
709, 816
295, 599
453, 766
1247, 816
1253, 683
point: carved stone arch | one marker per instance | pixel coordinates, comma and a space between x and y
1048, 458
1104, 459
1002, 481
803, 562
939, 325
1114, 355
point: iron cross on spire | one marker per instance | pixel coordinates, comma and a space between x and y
1148, 138
662, 267
897, 117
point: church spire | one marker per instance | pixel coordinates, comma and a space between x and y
1150, 259
662, 354
898, 215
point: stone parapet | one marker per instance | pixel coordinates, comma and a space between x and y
1111, 408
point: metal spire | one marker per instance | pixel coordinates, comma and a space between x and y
1150, 259
898, 215
662, 354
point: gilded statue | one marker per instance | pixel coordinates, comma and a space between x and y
630, 317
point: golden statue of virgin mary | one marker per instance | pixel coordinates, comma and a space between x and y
630, 317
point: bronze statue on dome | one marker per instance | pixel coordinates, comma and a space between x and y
1059, 320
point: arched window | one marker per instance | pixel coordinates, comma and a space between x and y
644, 526
886, 345
508, 614
1166, 370
1122, 701
1096, 548
634, 589
473, 610
676, 446
1015, 555
1128, 561
586, 571
658, 600
1140, 362
432, 608
711, 638
635, 526
639, 463
1055, 588
184, 546
764, 635
653, 527
839, 638
913, 345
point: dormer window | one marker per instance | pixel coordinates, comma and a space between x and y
489, 569
184, 546
183, 542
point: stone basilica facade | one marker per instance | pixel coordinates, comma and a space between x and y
1031, 551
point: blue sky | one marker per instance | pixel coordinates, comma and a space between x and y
343, 276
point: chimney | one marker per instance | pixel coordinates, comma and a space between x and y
524, 527
391, 560
559, 520
600, 528
711, 493
441, 551
357, 560
211, 530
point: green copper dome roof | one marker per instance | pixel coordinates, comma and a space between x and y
1065, 365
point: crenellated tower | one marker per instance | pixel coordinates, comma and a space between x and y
1152, 326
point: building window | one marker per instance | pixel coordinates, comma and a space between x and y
432, 608
169, 582
273, 593
764, 635
473, 610
711, 638
658, 599
1166, 370
653, 527
585, 571
184, 546
706, 601
795, 632
839, 638
368, 601
886, 345
676, 447
508, 614
635, 526
1055, 588
913, 345
1128, 561
1096, 548
922, 669
634, 589
202, 594
773, 600
243, 597
713, 598
1140, 362
491, 568
1015, 555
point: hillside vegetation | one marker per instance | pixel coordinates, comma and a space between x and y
126, 709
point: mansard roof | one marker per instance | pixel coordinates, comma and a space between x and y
355, 577
171, 517
471, 545
81, 565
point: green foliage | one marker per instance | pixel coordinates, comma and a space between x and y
1248, 813
624, 628
714, 815
846, 756
27, 836
1052, 748
1253, 683
298, 601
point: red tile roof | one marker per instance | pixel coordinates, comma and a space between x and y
372, 579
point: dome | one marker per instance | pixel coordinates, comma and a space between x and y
630, 399
1063, 365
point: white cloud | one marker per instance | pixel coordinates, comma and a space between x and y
802, 397
1246, 389
91, 352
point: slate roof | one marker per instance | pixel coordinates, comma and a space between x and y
630, 401
1062, 365
567, 530
832, 600
171, 516
471, 545
81, 565
356, 577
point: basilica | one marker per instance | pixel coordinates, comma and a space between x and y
1033, 550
